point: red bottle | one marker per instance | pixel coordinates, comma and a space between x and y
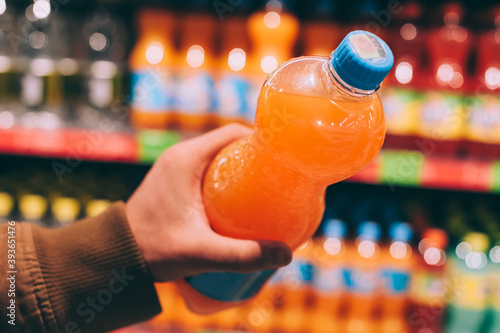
442, 115
483, 118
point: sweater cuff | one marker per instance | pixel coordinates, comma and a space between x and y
95, 275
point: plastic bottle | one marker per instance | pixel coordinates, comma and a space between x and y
273, 32
232, 83
483, 118
329, 254
402, 101
468, 276
429, 285
40, 89
362, 279
442, 115
298, 111
105, 46
397, 269
494, 288
195, 93
9, 66
321, 32
151, 64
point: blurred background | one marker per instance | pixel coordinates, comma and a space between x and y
91, 93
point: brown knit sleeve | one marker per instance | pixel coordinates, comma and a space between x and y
88, 277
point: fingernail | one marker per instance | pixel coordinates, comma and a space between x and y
278, 257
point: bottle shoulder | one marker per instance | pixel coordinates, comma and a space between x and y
309, 76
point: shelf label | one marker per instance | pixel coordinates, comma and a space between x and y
401, 167
152, 143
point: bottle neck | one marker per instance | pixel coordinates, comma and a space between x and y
344, 87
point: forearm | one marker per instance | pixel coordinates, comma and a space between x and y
89, 277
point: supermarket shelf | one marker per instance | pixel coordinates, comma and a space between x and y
393, 168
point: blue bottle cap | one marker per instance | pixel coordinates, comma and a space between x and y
334, 228
400, 231
369, 230
362, 60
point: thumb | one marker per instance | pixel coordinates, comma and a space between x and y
243, 256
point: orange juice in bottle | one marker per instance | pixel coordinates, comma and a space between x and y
151, 64
232, 84
273, 32
196, 100
319, 120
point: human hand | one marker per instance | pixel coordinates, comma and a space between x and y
167, 216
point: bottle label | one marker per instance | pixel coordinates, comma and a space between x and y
442, 116
469, 288
401, 110
483, 119
32, 90
299, 272
328, 279
229, 287
396, 282
232, 91
362, 281
152, 90
100, 92
428, 288
195, 93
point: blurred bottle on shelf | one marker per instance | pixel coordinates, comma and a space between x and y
428, 288
273, 32
104, 38
329, 255
494, 288
65, 210
401, 101
232, 84
41, 85
483, 118
321, 32
152, 64
9, 65
397, 265
33, 208
361, 278
468, 278
196, 100
442, 116
299, 293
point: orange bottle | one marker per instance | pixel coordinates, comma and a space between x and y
273, 33
151, 63
320, 34
329, 254
361, 279
319, 121
397, 267
196, 100
232, 84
